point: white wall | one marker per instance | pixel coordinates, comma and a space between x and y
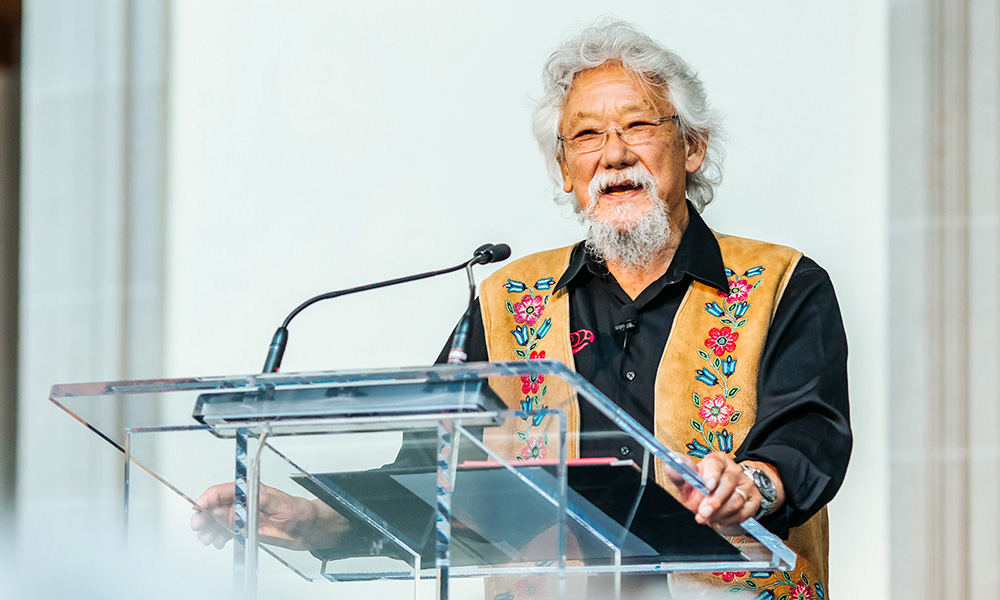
316, 145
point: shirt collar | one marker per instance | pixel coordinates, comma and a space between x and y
698, 255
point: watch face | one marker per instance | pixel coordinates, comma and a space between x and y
765, 485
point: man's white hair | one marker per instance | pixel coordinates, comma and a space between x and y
618, 41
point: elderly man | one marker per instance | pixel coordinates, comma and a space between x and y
656, 309
661, 310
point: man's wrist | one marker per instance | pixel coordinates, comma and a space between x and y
316, 524
768, 485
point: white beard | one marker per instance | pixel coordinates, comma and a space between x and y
628, 240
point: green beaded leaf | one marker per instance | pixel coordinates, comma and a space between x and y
697, 399
804, 578
697, 426
750, 583
510, 307
785, 576
735, 417
522, 435
726, 321
520, 353
757, 285
732, 392
702, 354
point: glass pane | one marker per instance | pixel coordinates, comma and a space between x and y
526, 488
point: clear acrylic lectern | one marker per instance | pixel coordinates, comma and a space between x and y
427, 473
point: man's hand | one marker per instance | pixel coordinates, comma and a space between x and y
733, 498
283, 520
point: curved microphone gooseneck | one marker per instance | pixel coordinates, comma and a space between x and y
486, 253
497, 253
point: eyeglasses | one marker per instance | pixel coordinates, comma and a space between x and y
592, 140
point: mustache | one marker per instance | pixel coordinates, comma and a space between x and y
636, 175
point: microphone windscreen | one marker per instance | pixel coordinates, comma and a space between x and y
629, 313
499, 253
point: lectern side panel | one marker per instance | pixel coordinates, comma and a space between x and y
170, 470
642, 506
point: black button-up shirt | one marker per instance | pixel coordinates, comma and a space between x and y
802, 426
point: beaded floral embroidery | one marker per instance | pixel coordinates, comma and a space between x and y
715, 410
528, 588
531, 326
783, 587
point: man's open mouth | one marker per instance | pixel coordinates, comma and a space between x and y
622, 189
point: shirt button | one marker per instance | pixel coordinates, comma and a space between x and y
624, 450
630, 375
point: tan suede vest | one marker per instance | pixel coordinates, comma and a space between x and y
706, 383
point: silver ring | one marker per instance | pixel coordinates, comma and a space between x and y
744, 494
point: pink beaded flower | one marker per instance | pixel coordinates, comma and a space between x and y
715, 411
529, 309
738, 290
535, 450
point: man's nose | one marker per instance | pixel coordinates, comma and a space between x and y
616, 153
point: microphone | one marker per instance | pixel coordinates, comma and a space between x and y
491, 253
629, 319
487, 253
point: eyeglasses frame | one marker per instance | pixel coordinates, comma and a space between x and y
620, 131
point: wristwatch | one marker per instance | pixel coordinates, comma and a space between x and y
768, 493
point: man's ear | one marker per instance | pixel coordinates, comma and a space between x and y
567, 182
695, 151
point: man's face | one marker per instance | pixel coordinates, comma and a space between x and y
611, 96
